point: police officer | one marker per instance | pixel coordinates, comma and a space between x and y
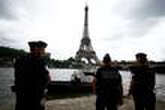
142, 84
31, 78
108, 86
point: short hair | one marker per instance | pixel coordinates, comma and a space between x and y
41, 44
107, 58
32, 44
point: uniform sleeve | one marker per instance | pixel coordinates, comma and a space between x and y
120, 89
121, 86
132, 69
98, 75
97, 80
45, 75
151, 79
120, 83
18, 74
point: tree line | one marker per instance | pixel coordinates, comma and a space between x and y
7, 54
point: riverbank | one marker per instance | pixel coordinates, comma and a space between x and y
88, 103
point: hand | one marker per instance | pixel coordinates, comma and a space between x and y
121, 102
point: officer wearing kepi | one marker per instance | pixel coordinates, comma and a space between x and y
142, 84
31, 78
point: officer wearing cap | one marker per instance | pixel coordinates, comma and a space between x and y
108, 85
31, 78
37, 49
142, 83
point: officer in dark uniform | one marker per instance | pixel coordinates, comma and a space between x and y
31, 78
108, 86
142, 84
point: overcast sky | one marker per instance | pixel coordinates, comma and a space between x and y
119, 27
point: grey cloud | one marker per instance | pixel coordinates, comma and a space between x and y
15, 9
140, 9
134, 29
4, 41
151, 8
139, 28
6, 9
142, 14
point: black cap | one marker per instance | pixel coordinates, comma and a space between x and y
107, 58
32, 44
37, 44
41, 44
141, 55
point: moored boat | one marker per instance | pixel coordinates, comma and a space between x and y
81, 82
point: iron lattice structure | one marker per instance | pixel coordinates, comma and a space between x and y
86, 50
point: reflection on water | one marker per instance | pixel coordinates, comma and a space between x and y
160, 86
7, 79
126, 78
6, 96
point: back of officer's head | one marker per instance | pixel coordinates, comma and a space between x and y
141, 57
107, 59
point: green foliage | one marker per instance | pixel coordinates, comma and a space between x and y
7, 54
10, 52
69, 63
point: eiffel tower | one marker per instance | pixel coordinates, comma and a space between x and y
86, 50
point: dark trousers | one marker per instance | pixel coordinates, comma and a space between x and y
144, 101
105, 103
40, 103
19, 101
29, 101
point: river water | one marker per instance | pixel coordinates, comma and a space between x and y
7, 98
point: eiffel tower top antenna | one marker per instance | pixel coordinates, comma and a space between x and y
86, 31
